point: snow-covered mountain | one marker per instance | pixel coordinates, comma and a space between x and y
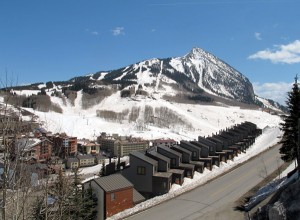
179, 98
196, 71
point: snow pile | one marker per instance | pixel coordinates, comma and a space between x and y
266, 140
271, 187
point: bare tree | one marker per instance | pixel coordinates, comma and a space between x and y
15, 180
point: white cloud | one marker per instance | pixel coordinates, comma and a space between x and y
257, 36
118, 31
95, 33
92, 32
289, 53
275, 91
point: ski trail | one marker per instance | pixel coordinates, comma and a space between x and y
140, 122
158, 77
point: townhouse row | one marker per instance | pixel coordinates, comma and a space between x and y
154, 170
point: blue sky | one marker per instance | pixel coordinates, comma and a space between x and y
56, 40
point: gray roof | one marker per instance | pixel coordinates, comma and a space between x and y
198, 163
72, 159
162, 174
186, 165
159, 156
143, 157
170, 150
113, 182
85, 156
101, 157
137, 197
182, 149
177, 171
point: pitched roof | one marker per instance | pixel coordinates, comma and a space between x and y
113, 182
72, 159
101, 157
137, 197
85, 156
162, 174
181, 149
27, 143
170, 150
42, 130
143, 157
159, 156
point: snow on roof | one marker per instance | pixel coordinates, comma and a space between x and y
27, 143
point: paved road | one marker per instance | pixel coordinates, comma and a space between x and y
215, 200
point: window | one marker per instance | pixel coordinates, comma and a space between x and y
194, 153
141, 170
112, 196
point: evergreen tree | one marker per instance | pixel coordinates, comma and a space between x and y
103, 170
89, 209
76, 196
289, 149
61, 192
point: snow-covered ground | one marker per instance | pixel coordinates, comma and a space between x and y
204, 120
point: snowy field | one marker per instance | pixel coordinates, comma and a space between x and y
204, 119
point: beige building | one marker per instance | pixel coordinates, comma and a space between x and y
72, 163
86, 160
122, 145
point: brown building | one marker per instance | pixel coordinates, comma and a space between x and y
115, 194
39, 150
64, 145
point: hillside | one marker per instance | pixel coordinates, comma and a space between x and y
181, 97
169, 120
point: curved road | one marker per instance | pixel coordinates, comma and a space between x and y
215, 200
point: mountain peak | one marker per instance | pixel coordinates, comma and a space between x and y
197, 50
196, 53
